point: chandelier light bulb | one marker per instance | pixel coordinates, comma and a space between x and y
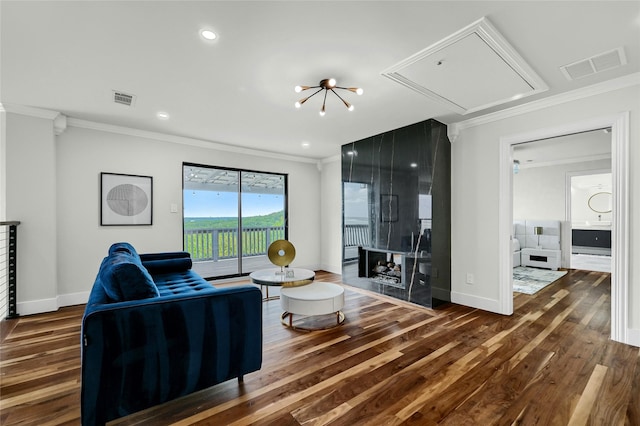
298, 104
350, 108
332, 82
359, 91
298, 89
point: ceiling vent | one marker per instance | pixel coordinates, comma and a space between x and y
123, 98
595, 64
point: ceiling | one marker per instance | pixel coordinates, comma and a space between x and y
580, 147
238, 89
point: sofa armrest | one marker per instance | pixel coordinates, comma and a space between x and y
138, 354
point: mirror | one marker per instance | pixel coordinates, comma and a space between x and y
600, 202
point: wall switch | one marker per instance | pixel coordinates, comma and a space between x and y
469, 278
174, 208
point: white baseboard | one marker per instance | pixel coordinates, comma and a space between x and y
31, 307
633, 337
71, 299
491, 305
40, 306
332, 268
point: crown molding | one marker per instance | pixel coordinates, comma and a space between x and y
61, 122
128, 131
30, 111
629, 80
331, 159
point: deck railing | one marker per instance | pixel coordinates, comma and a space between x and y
356, 235
217, 244
8, 269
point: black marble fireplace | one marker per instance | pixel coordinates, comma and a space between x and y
397, 213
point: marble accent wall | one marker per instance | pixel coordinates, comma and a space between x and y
397, 193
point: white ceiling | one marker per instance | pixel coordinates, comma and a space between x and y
238, 90
576, 148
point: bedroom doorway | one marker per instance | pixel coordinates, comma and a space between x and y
619, 125
555, 179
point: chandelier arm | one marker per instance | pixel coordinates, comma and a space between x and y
316, 92
351, 89
313, 94
324, 101
303, 88
343, 101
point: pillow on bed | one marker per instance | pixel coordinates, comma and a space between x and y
124, 278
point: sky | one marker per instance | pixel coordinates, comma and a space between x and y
225, 204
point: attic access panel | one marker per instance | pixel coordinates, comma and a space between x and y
471, 70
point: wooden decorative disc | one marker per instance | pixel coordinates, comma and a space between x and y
281, 252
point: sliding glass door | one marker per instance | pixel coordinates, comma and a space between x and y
230, 217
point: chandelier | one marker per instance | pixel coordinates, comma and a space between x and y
328, 84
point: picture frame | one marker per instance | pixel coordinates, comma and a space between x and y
388, 208
125, 200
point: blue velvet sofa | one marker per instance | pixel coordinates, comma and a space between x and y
154, 330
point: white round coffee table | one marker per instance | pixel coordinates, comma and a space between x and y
317, 298
290, 277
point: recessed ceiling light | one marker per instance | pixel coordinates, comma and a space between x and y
208, 34
162, 115
414, 165
305, 145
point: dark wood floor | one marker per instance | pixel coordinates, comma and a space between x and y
551, 363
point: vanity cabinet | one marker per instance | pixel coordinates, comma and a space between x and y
591, 241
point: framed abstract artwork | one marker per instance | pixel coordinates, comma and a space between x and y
125, 199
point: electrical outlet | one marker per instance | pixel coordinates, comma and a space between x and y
470, 278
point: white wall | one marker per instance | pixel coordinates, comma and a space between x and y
331, 217
540, 192
31, 198
581, 211
53, 188
476, 186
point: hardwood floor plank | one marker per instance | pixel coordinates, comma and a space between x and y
581, 413
551, 362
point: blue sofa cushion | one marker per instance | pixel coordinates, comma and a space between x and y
124, 278
164, 266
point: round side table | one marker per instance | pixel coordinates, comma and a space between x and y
292, 277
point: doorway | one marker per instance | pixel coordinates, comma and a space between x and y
619, 125
551, 175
